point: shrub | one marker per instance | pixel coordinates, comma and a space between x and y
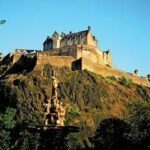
126, 82
112, 78
73, 112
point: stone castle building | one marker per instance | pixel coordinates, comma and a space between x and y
79, 45
79, 38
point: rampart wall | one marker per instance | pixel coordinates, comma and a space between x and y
63, 51
88, 60
57, 61
108, 71
78, 51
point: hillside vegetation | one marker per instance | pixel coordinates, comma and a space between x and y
106, 109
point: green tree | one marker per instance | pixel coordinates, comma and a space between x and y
139, 120
7, 123
110, 135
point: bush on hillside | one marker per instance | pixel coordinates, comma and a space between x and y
112, 78
126, 82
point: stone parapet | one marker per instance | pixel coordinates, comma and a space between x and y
109, 71
57, 61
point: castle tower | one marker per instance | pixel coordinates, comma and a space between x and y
53, 42
91, 40
56, 38
107, 60
48, 44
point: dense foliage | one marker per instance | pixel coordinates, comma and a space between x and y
131, 132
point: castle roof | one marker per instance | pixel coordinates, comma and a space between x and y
48, 40
73, 35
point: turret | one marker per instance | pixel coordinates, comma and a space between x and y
56, 38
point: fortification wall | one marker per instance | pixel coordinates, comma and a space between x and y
108, 71
57, 61
78, 51
63, 51
95, 55
107, 59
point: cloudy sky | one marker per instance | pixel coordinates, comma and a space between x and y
123, 26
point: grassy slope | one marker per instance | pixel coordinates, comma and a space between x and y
88, 98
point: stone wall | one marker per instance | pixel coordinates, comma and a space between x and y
78, 51
87, 61
107, 58
63, 51
74, 41
79, 57
57, 61
90, 40
109, 71
92, 53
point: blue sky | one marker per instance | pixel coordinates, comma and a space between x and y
123, 26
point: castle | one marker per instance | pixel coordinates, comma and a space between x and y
77, 51
79, 45
79, 38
